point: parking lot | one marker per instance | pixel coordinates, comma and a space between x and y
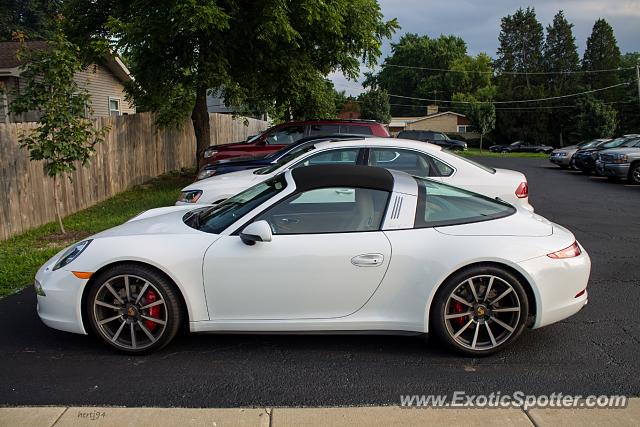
594, 352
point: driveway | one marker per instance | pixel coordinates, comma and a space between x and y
594, 352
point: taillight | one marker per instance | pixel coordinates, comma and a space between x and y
568, 252
523, 190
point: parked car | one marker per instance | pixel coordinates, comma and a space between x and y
621, 163
437, 138
416, 158
279, 136
321, 248
221, 167
521, 147
585, 159
563, 157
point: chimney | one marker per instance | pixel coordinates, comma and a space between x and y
432, 109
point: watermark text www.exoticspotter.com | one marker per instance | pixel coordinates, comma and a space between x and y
518, 399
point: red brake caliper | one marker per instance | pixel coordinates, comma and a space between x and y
153, 311
458, 308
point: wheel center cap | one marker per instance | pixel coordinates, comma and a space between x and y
481, 310
132, 311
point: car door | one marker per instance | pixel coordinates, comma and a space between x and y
326, 258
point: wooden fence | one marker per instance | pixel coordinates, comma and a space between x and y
134, 151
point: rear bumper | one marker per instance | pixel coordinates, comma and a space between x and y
559, 285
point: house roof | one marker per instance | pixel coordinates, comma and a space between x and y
8, 52
9, 62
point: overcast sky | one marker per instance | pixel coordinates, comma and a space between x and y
478, 22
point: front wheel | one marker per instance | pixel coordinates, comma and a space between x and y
634, 173
479, 311
134, 309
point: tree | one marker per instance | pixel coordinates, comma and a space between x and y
63, 136
374, 105
479, 109
628, 109
602, 53
266, 54
398, 78
520, 55
595, 119
32, 18
560, 57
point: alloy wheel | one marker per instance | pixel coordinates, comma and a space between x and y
130, 312
482, 312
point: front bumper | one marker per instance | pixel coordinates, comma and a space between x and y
558, 281
618, 170
560, 161
61, 305
585, 163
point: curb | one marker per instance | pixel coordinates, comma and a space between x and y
63, 416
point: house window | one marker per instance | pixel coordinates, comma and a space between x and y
463, 128
114, 106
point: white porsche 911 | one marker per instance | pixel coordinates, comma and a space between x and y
416, 158
321, 248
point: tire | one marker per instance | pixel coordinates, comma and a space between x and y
478, 328
634, 173
124, 320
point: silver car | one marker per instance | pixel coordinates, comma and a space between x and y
621, 163
563, 157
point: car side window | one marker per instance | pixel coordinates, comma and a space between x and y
443, 168
326, 129
348, 156
438, 137
328, 210
286, 136
411, 162
356, 130
441, 205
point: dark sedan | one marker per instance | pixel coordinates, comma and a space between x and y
585, 159
521, 147
233, 165
438, 138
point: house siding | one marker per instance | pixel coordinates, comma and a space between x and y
102, 85
443, 123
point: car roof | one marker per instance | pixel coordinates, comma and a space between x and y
337, 175
382, 142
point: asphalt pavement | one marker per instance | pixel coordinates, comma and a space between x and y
593, 352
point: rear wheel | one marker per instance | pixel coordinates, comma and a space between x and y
134, 309
479, 311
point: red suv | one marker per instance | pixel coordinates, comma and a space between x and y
284, 134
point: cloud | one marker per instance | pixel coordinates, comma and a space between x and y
478, 22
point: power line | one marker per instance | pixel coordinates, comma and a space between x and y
446, 70
520, 101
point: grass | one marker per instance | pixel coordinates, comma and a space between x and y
486, 153
22, 255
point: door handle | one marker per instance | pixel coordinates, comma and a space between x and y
367, 260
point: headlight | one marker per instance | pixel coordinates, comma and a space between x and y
210, 152
72, 253
205, 173
561, 154
620, 158
594, 155
190, 196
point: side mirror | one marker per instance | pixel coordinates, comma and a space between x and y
259, 231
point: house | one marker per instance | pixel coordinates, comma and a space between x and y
215, 104
445, 121
104, 81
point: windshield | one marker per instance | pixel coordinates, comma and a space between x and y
293, 154
615, 143
215, 219
590, 144
476, 164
